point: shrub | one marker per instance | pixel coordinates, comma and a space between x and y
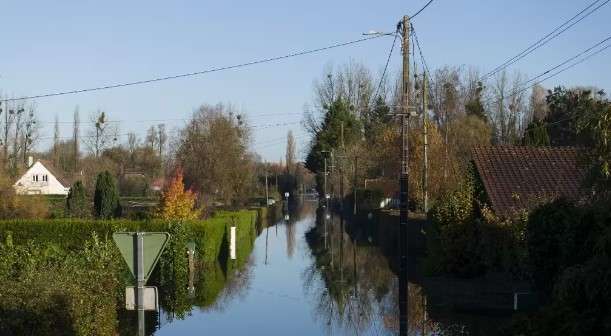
76, 203
176, 203
106, 198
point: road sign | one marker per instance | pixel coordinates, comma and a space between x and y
153, 244
150, 298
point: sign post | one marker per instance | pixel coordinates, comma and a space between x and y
141, 251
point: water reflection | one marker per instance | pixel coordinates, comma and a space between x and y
325, 274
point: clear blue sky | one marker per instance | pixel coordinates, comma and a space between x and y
60, 45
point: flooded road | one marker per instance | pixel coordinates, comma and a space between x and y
313, 274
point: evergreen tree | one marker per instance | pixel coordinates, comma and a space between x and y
329, 137
106, 197
76, 203
536, 134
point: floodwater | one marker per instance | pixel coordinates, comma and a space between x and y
315, 274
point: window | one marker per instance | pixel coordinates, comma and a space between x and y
45, 178
35, 178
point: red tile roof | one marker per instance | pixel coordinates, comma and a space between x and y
516, 177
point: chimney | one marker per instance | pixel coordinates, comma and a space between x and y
30, 161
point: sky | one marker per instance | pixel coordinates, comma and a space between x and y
48, 46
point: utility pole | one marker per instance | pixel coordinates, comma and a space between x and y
341, 172
266, 191
403, 181
425, 120
356, 161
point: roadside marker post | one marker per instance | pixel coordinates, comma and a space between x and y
232, 251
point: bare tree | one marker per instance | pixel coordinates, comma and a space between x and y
152, 137
75, 138
538, 106
29, 133
102, 135
507, 106
56, 142
162, 138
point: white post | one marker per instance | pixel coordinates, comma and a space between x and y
232, 251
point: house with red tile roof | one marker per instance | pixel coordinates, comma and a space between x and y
521, 177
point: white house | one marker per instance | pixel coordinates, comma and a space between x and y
40, 180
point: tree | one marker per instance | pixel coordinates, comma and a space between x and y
536, 134
290, 153
76, 202
594, 130
102, 135
212, 151
176, 203
106, 197
162, 138
75, 139
56, 142
474, 105
152, 137
337, 116
562, 127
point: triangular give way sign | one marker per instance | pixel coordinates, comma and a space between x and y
153, 244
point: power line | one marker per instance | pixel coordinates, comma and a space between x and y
161, 120
583, 59
547, 38
197, 73
177, 131
568, 60
392, 47
421, 9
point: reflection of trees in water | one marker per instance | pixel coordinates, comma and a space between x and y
355, 280
234, 286
290, 237
354, 289
299, 211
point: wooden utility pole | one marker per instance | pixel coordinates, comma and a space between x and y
356, 162
403, 181
266, 191
425, 120
341, 172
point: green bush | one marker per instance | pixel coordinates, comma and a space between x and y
77, 204
561, 234
46, 290
465, 239
106, 197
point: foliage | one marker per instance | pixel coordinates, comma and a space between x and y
75, 294
467, 240
572, 268
176, 203
20, 206
77, 204
594, 128
106, 197
561, 118
212, 152
337, 116
536, 134
474, 106
559, 235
